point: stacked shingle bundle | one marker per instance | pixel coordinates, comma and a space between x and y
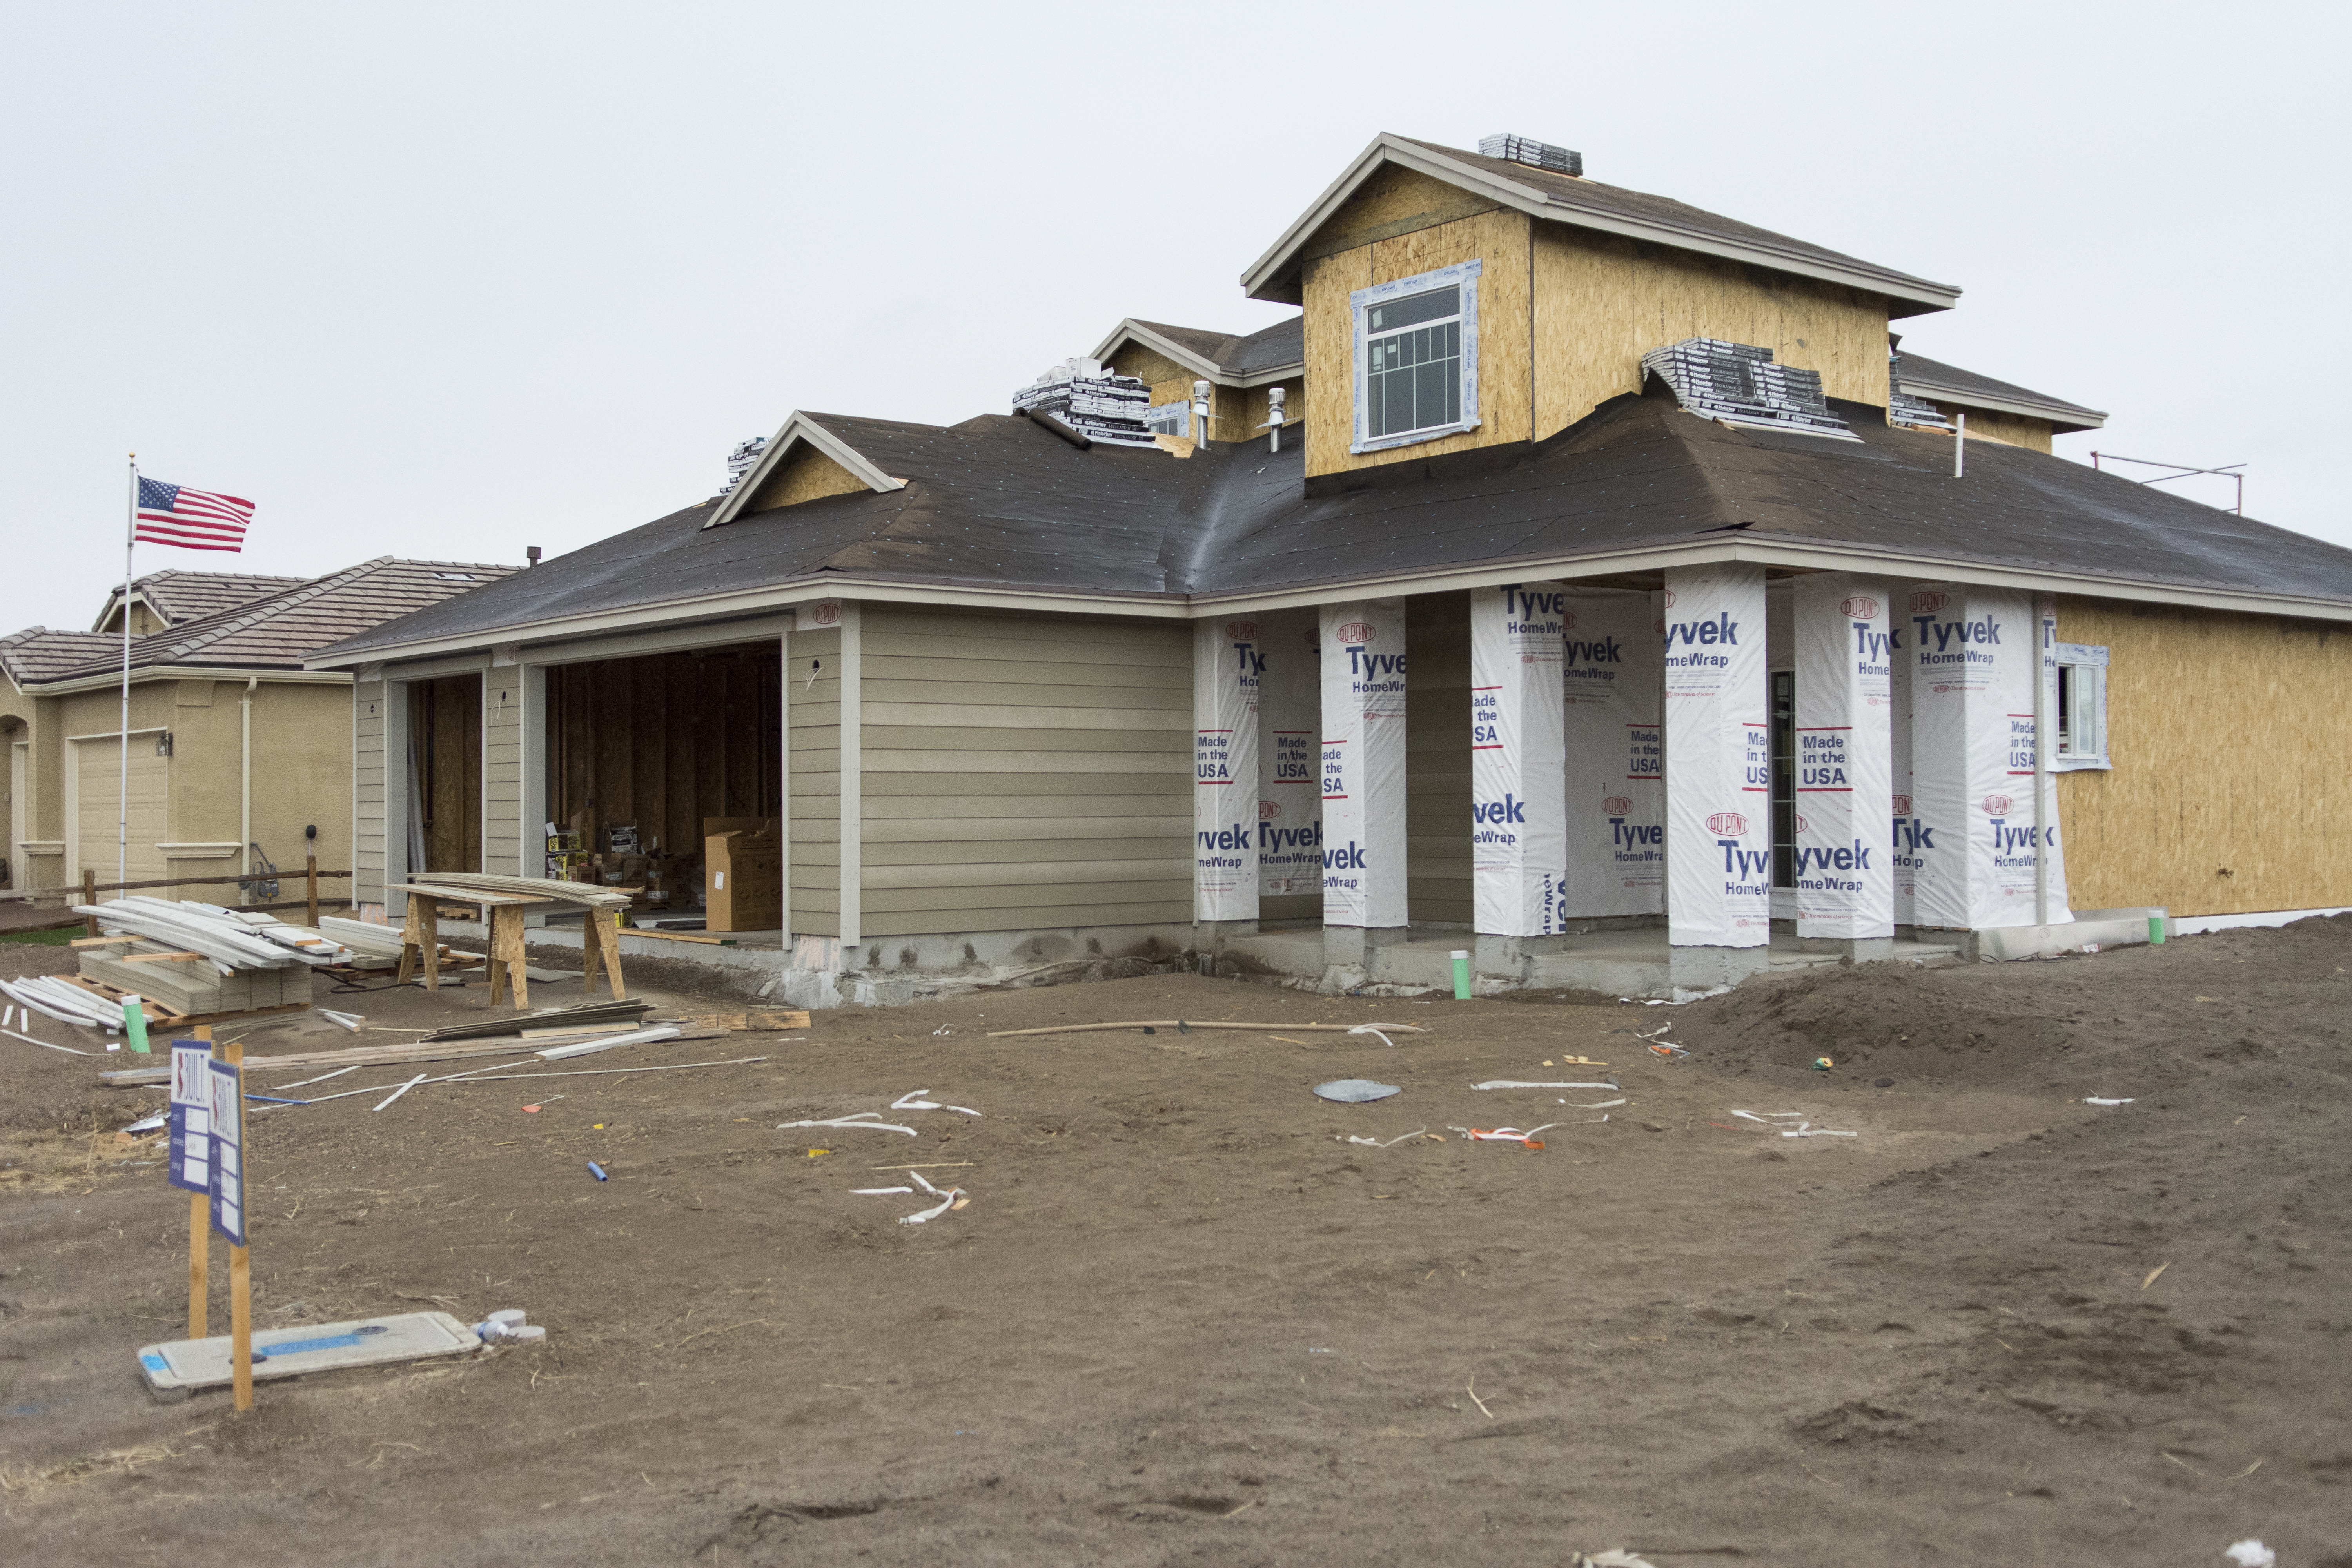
1092, 399
742, 460
1739, 383
1902, 408
1533, 153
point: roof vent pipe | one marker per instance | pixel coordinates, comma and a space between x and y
530, 555
1960, 442
1274, 396
1201, 412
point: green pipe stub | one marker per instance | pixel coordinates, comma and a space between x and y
134, 1025
1460, 974
2156, 930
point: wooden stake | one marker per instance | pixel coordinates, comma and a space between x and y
200, 1233
90, 895
240, 1279
313, 922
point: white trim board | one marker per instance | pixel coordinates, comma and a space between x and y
1206, 369
141, 675
853, 775
798, 430
2198, 925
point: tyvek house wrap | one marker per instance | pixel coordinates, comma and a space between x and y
1363, 764
1972, 658
1611, 683
1519, 838
1226, 662
1718, 758
1289, 793
1844, 875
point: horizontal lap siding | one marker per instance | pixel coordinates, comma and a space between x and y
502, 721
812, 711
1021, 771
368, 703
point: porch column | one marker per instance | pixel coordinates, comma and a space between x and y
1289, 803
1973, 660
1363, 777
1519, 786
1718, 773
1228, 659
1845, 847
1616, 803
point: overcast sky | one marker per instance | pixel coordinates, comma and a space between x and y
449, 280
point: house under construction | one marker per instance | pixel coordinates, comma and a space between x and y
1578, 579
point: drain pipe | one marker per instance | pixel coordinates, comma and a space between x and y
245, 793
1960, 442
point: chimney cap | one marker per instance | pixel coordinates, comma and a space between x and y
530, 553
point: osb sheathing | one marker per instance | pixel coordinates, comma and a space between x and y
2231, 741
1236, 413
1564, 314
2007, 429
806, 475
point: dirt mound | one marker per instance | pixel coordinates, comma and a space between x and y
1897, 1021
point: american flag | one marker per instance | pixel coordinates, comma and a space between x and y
193, 519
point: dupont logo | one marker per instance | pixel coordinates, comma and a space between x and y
1670, 598
1355, 634
1727, 825
1617, 806
1567, 620
1861, 607
1802, 826
826, 614
1927, 601
1242, 631
1998, 805
1902, 806
1267, 810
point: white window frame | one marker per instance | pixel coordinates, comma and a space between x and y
2082, 737
1465, 276
1180, 411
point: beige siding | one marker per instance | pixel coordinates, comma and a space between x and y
503, 716
1437, 759
812, 714
368, 700
1022, 771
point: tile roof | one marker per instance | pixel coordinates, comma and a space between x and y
182, 595
276, 632
999, 502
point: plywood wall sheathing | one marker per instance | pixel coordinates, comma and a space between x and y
806, 475
1601, 302
2007, 429
2231, 742
445, 733
1024, 771
1437, 760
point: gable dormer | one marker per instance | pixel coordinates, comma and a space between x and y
1455, 300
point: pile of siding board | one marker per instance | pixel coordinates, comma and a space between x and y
243, 959
1902, 408
1092, 399
1739, 383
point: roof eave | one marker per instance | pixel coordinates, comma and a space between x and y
2064, 418
1199, 365
1273, 277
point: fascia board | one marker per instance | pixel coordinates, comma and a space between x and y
794, 430
661, 640
1536, 203
2069, 419
140, 674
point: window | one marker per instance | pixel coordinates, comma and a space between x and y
1169, 419
1417, 358
2082, 727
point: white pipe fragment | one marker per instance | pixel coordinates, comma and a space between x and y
322, 1077
43, 1044
869, 1121
590, 1047
877, 1192
1519, 1083
947, 1201
2093, 1100
1374, 1029
396, 1093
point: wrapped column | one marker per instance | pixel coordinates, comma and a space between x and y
1518, 840
1363, 765
1718, 758
1226, 662
1905, 819
1972, 663
2046, 608
1289, 774
1616, 798
1844, 881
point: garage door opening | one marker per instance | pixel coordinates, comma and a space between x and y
445, 774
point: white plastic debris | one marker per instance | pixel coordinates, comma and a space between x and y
1521, 1083
1376, 1143
1504, 1134
1776, 1120
1374, 1029
2095, 1099
1355, 1090
867, 1121
508, 1324
1596, 1105
912, 1101
2252, 1554
877, 1192
349, 1022
148, 1124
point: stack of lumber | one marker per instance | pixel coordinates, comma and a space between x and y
190, 985
230, 938
1092, 399
583, 893
581, 1016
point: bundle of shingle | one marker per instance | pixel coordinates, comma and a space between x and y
1740, 383
1536, 155
1092, 399
1902, 408
742, 460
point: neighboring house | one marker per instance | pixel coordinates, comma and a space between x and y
235, 748
1471, 661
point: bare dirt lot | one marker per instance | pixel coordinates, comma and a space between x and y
1183, 1320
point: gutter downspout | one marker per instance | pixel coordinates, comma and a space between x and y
245, 793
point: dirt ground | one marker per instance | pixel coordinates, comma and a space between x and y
1183, 1320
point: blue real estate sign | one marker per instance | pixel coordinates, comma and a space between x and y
191, 1116
228, 1150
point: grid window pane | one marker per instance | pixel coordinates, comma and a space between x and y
1413, 379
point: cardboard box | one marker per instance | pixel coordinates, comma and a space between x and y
743, 885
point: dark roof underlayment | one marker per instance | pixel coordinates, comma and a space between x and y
998, 502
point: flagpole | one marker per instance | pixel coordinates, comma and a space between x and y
130, 536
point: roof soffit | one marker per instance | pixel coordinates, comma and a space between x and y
801, 429
1274, 276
